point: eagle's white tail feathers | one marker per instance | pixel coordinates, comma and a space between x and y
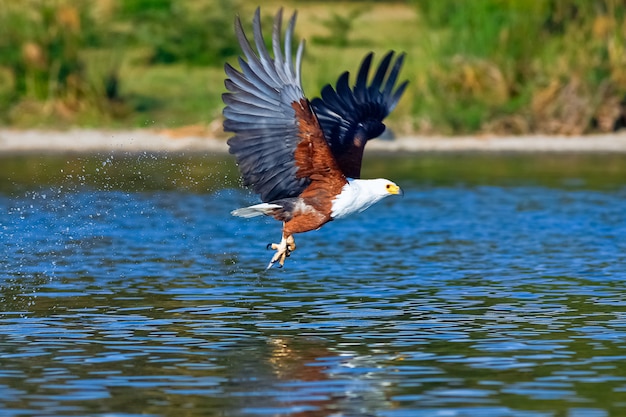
256, 210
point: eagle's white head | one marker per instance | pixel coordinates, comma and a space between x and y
357, 195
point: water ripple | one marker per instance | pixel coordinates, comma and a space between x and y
455, 301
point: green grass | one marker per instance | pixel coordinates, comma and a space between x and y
186, 95
504, 66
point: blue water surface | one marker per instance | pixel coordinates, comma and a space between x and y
456, 300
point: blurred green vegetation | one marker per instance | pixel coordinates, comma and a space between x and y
498, 66
551, 66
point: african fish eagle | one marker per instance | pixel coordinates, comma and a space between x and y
304, 157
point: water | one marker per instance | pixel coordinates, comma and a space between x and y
495, 287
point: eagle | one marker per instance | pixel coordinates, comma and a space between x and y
303, 158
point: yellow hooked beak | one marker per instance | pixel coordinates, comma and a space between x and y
394, 189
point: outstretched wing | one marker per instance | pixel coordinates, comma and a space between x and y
278, 144
351, 117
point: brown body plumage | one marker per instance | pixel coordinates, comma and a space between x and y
303, 158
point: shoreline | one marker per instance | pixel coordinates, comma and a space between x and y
33, 141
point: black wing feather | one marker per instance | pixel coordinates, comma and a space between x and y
259, 111
351, 117
360, 89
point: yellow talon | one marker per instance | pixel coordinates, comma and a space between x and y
283, 251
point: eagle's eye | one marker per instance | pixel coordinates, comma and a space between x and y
392, 188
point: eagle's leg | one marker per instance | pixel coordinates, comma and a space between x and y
283, 250
291, 243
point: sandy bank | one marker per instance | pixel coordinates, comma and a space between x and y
87, 140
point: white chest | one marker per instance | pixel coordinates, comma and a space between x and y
353, 198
